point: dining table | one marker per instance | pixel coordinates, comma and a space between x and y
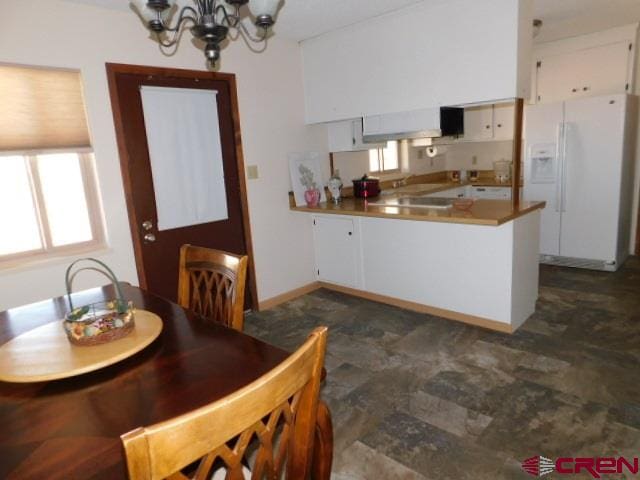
70, 428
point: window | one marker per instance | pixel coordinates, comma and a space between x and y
48, 192
384, 159
49, 201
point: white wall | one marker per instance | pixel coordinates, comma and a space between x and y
55, 33
427, 55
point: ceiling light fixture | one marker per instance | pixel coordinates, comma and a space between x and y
211, 21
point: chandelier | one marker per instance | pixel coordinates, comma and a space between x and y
210, 20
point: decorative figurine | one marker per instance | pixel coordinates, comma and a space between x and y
335, 186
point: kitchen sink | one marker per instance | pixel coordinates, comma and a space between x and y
417, 202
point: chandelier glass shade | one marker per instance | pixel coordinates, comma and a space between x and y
209, 20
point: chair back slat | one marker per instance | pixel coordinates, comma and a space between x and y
212, 284
275, 414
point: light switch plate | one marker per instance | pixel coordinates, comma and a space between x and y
252, 172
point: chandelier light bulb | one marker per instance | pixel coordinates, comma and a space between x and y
264, 11
148, 14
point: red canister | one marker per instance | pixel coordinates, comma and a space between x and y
366, 187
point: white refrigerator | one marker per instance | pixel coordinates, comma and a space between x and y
579, 159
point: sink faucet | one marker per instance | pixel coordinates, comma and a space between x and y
403, 182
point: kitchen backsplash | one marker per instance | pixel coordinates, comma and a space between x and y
414, 160
460, 156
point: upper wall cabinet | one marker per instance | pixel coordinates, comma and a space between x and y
599, 70
488, 123
474, 52
478, 123
503, 121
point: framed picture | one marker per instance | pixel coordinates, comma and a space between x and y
306, 174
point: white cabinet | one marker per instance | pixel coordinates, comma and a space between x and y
491, 193
390, 63
488, 123
593, 71
346, 136
337, 249
478, 123
503, 121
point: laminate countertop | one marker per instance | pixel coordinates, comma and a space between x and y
426, 188
483, 212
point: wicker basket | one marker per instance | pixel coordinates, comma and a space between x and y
101, 322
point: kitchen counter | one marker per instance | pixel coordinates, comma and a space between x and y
483, 212
478, 266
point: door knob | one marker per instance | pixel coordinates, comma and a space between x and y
149, 238
147, 225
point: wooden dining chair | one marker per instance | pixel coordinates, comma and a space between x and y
212, 284
278, 409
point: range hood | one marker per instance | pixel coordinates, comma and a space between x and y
426, 123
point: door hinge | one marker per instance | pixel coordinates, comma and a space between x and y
626, 87
630, 46
318, 272
314, 221
538, 63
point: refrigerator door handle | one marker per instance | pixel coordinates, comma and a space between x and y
563, 199
559, 165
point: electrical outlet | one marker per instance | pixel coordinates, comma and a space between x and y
474, 160
252, 172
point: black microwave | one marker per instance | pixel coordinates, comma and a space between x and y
452, 121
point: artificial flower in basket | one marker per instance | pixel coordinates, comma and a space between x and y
100, 322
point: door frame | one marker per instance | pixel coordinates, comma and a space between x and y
115, 69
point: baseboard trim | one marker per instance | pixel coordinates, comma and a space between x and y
287, 296
418, 307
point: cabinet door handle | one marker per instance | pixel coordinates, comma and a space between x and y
585, 88
574, 90
499, 125
488, 127
350, 233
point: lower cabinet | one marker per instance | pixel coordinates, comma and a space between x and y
337, 249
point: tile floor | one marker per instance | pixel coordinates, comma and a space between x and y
418, 397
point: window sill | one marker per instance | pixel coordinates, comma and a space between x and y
39, 261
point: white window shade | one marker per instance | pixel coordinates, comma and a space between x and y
185, 151
41, 109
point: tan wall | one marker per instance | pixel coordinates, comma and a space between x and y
56, 33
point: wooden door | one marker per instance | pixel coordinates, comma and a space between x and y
157, 250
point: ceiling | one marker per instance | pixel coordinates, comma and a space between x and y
303, 19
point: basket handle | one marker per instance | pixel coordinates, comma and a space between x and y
107, 272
